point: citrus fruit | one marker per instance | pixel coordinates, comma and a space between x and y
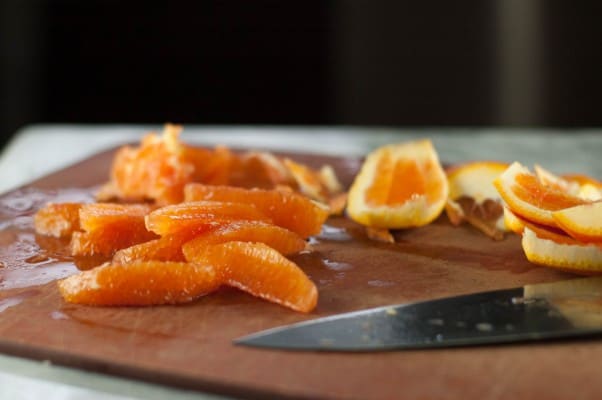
287, 209
259, 270
107, 241
582, 222
57, 219
156, 170
166, 248
95, 216
196, 214
547, 178
259, 169
278, 238
140, 283
559, 251
513, 222
578, 185
526, 196
109, 227
399, 186
475, 180
307, 180
217, 168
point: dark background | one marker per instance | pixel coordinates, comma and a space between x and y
468, 63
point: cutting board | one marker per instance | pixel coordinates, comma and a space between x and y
191, 346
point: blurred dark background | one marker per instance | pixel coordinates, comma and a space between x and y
462, 63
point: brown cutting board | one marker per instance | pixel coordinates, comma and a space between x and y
191, 345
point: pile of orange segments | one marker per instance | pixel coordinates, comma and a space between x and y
559, 218
221, 235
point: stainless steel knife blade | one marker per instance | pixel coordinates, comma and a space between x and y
543, 311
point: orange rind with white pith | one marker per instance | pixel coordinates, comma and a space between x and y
475, 180
562, 252
583, 222
528, 197
399, 186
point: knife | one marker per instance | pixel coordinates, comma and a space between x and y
569, 308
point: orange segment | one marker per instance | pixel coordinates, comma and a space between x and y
57, 219
107, 241
96, 216
278, 238
581, 222
109, 227
547, 249
194, 215
166, 248
286, 209
399, 186
527, 196
261, 271
141, 283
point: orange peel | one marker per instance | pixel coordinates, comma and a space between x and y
565, 253
399, 186
582, 222
528, 197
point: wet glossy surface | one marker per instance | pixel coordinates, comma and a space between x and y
191, 345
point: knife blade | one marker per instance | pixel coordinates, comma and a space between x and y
555, 310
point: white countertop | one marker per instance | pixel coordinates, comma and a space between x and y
38, 150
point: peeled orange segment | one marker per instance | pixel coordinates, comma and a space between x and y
107, 241
278, 238
475, 180
95, 216
109, 227
259, 270
399, 186
568, 254
140, 284
287, 209
197, 214
57, 219
525, 195
166, 248
581, 222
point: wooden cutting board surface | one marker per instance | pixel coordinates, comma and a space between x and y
191, 345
